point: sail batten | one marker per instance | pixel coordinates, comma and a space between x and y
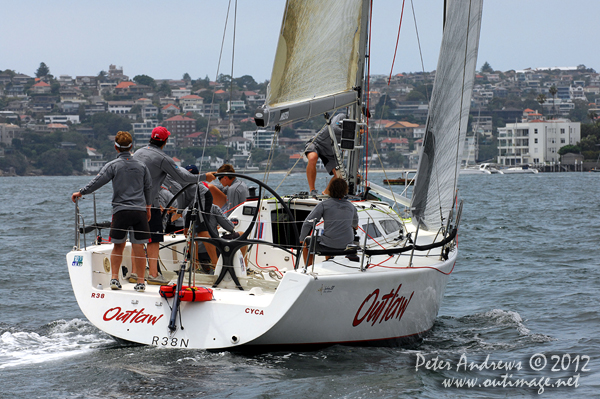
316, 62
448, 115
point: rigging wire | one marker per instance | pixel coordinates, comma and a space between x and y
230, 133
419, 45
212, 102
397, 41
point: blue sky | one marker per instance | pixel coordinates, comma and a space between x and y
165, 39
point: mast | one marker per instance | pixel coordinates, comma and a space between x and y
355, 112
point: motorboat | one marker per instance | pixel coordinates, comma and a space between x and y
484, 168
523, 169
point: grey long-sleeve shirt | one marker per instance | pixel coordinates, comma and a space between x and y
132, 185
340, 218
160, 165
236, 194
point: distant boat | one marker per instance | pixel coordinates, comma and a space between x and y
483, 169
407, 177
519, 170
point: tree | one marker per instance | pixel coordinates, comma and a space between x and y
541, 98
216, 151
258, 155
246, 81
102, 76
187, 77
288, 132
144, 80
224, 79
415, 96
55, 88
105, 124
486, 67
56, 162
281, 161
569, 149
201, 123
553, 92
42, 71
164, 89
395, 159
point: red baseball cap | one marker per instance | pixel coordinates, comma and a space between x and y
160, 133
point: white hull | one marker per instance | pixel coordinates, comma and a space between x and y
334, 303
519, 171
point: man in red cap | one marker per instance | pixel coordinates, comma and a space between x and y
160, 165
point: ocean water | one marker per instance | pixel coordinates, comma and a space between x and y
525, 295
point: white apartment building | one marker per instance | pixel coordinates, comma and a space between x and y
236, 105
181, 92
74, 119
536, 142
142, 132
261, 138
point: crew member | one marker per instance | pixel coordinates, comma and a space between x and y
160, 165
235, 189
132, 197
321, 146
340, 220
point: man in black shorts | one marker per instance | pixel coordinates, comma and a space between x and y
131, 201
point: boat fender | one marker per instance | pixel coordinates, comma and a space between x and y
195, 294
167, 291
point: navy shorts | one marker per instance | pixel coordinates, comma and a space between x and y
156, 226
134, 222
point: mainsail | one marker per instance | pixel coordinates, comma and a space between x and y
446, 126
318, 59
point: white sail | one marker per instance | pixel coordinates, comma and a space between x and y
317, 60
448, 115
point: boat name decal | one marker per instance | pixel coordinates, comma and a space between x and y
133, 316
77, 260
255, 311
389, 307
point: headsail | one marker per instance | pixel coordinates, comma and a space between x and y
448, 115
317, 61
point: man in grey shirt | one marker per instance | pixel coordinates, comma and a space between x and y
321, 146
236, 190
340, 220
132, 188
160, 165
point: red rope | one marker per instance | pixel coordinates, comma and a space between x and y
397, 41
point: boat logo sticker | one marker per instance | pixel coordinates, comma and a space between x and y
77, 260
257, 312
325, 289
389, 307
285, 114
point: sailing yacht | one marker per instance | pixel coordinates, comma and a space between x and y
386, 290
